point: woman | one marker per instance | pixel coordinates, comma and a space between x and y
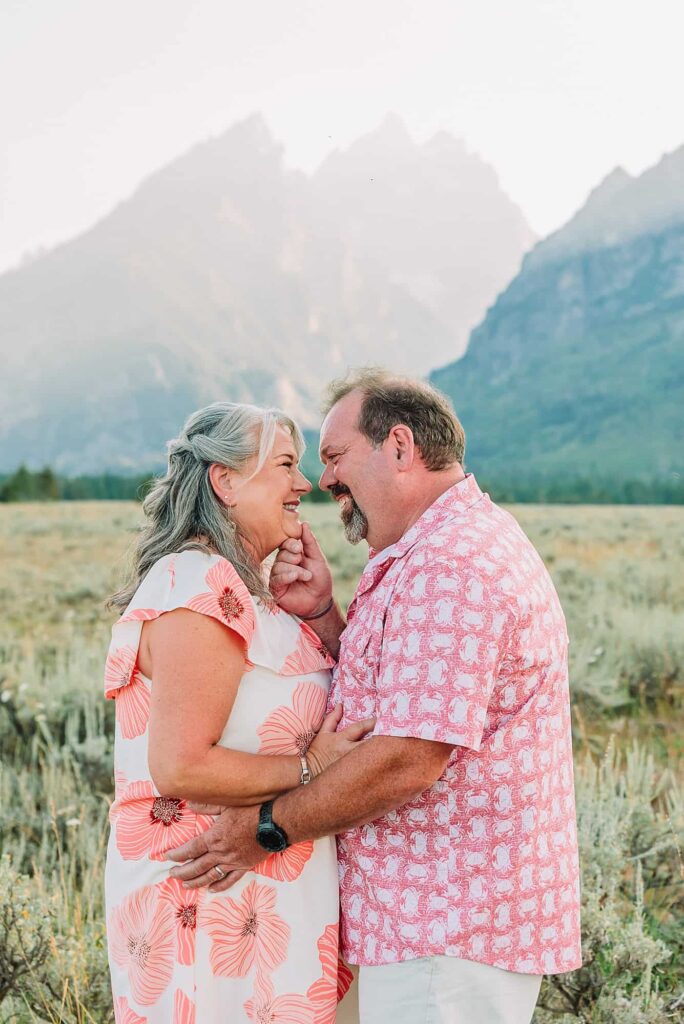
219, 696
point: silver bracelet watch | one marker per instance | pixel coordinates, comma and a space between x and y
306, 776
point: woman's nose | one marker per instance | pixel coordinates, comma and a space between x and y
302, 484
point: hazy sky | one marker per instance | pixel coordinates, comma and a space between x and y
95, 94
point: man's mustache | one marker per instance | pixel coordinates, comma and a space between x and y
354, 521
337, 490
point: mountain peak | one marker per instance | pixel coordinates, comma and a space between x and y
391, 130
384, 143
443, 143
620, 208
252, 130
608, 188
226, 274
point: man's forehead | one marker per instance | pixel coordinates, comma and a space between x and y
340, 425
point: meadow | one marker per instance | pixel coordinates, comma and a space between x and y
619, 574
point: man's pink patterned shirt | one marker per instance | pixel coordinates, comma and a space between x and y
456, 634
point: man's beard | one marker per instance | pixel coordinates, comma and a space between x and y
354, 521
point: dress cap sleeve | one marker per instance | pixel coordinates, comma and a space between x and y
195, 580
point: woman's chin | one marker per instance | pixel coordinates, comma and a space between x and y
292, 527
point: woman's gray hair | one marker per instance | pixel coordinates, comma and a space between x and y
182, 510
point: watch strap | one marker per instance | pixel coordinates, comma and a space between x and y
266, 815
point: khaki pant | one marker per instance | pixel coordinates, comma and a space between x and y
440, 990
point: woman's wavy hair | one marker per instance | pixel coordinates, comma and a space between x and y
182, 510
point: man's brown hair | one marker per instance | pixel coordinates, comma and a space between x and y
389, 399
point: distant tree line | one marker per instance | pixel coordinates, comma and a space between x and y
586, 491
46, 485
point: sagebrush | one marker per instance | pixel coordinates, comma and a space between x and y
618, 572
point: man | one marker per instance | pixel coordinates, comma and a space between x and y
456, 823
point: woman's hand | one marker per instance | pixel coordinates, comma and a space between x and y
329, 746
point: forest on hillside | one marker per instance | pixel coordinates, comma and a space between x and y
46, 485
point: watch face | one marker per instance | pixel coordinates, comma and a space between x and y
272, 839
268, 834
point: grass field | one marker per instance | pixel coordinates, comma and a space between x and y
619, 573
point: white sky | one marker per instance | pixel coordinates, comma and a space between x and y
95, 94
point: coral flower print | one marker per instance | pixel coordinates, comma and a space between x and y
125, 684
140, 615
227, 599
344, 979
310, 654
334, 983
147, 823
143, 944
124, 1015
191, 956
264, 1008
246, 932
184, 903
290, 730
288, 865
120, 783
183, 1008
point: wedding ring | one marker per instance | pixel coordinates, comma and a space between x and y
219, 871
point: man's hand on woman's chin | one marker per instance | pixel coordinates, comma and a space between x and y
301, 581
230, 843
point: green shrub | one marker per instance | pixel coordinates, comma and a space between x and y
630, 833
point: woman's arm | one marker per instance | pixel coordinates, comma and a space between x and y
196, 665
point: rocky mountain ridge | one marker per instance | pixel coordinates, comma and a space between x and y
578, 367
227, 276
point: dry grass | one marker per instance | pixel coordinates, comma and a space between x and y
619, 575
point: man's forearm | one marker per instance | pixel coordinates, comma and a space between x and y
383, 773
329, 628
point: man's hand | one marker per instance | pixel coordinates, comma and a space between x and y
230, 844
301, 581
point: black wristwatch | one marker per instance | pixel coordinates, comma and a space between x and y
269, 835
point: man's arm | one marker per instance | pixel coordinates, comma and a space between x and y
383, 773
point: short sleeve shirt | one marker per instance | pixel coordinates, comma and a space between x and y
456, 635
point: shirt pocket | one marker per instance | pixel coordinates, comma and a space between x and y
362, 652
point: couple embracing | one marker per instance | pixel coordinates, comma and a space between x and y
296, 792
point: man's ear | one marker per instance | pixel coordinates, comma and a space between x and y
402, 446
221, 480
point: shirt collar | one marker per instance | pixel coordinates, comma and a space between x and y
454, 501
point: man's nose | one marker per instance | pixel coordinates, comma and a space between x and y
326, 479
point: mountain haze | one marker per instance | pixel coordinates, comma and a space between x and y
432, 217
221, 278
578, 368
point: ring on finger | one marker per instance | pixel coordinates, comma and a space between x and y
219, 871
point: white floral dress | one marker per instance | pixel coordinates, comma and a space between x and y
266, 950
